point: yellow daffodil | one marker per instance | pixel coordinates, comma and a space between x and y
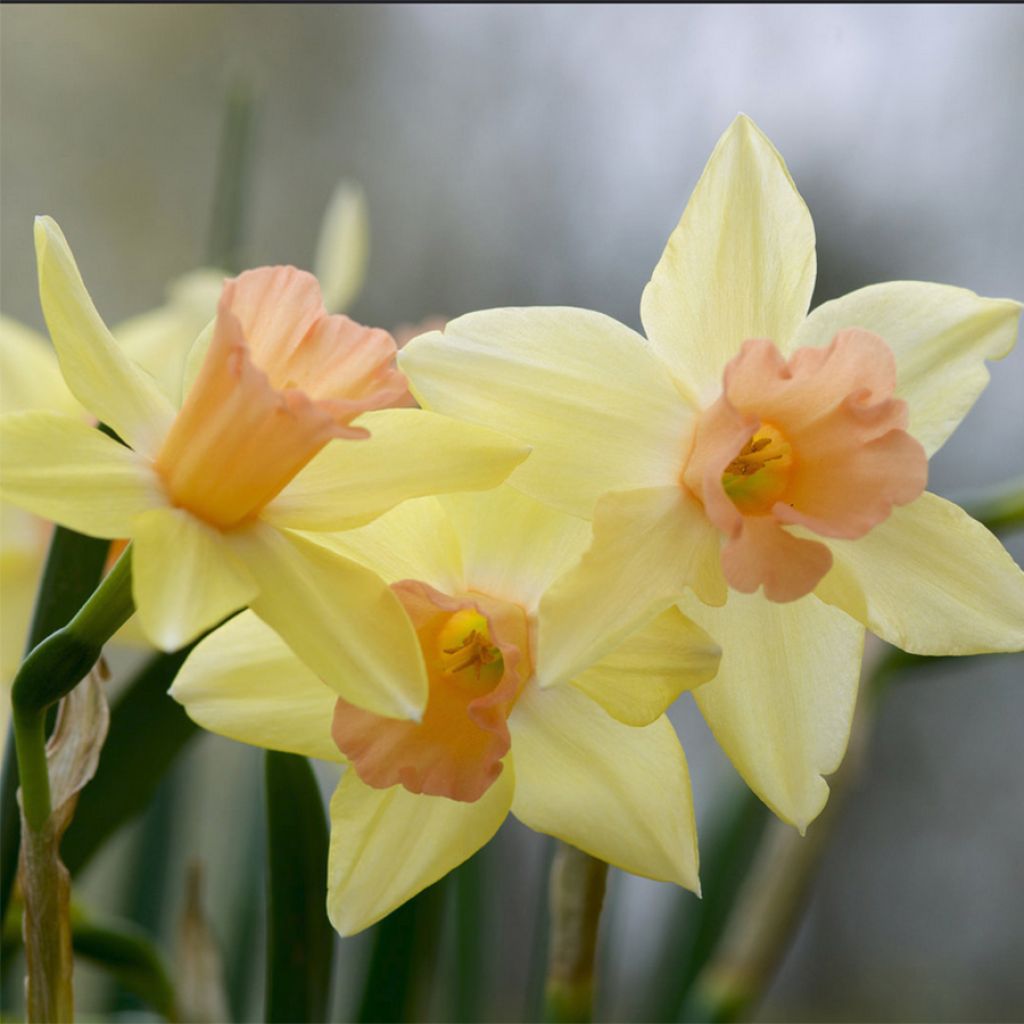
210, 493
745, 445
477, 576
159, 341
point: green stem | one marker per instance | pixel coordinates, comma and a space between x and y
52, 670
74, 567
65, 657
577, 895
30, 745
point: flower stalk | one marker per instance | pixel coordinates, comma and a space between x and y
576, 897
52, 670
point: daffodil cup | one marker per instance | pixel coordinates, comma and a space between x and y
283, 426
478, 576
761, 466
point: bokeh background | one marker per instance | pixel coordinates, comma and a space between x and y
541, 155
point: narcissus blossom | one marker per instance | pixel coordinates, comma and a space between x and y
265, 442
159, 340
478, 578
762, 466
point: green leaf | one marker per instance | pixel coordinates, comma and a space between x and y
74, 567
148, 729
230, 190
728, 852
130, 956
405, 952
468, 883
300, 939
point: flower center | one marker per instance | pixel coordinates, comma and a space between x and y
466, 650
817, 441
757, 477
477, 656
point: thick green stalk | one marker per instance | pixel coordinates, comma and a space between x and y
74, 567
51, 671
54, 667
577, 895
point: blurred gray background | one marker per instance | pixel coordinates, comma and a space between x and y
516, 155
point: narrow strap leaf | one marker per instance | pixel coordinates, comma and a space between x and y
300, 939
405, 952
130, 956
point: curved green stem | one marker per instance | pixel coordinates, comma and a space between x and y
52, 669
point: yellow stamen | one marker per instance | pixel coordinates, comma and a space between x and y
751, 459
758, 475
473, 651
465, 643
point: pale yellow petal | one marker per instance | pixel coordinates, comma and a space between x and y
739, 265
641, 677
388, 844
29, 373
413, 541
342, 249
513, 546
930, 580
99, 374
648, 547
244, 682
409, 453
340, 618
941, 337
586, 392
782, 703
617, 792
66, 471
161, 339
185, 577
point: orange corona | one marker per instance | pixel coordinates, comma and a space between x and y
280, 379
818, 442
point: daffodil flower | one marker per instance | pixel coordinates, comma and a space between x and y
747, 446
264, 443
477, 575
159, 340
